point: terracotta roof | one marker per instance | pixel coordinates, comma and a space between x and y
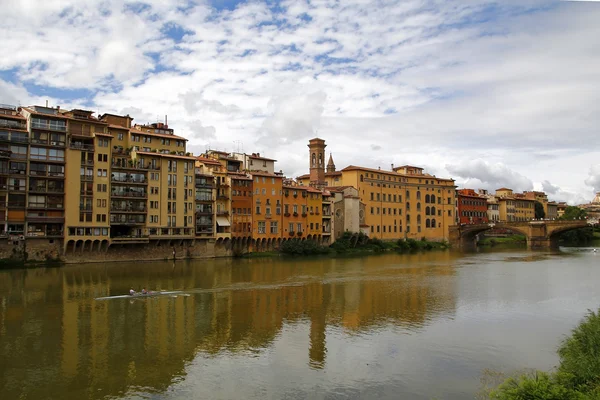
503, 188
205, 160
260, 158
393, 173
295, 187
118, 127
139, 132
149, 153
57, 115
20, 117
313, 190
103, 134
336, 173
263, 173
337, 188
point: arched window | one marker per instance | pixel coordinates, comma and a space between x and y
407, 218
418, 218
426, 198
427, 223
433, 222
433, 198
432, 210
407, 195
418, 206
418, 195
361, 177
407, 206
314, 159
427, 210
320, 158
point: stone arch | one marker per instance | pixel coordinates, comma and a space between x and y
314, 159
87, 245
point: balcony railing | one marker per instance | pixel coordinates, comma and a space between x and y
48, 126
128, 180
12, 124
44, 189
81, 146
129, 194
128, 209
86, 178
85, 207
136, 166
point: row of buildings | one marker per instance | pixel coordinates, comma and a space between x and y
83, 182
480, 207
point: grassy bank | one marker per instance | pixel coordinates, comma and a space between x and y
576, 377
357, 244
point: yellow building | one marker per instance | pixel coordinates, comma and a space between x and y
402, 203
524, 208
314, 205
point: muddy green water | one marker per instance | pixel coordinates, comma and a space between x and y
418, 326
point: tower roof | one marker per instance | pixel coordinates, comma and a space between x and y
330, 164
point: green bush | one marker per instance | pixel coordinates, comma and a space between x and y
302, 247
578, 374
580, 353
535, 386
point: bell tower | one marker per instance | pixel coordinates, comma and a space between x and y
316, 157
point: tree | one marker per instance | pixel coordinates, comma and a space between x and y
539, 210
572, 212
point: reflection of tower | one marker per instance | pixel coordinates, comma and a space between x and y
316, 155
319, 302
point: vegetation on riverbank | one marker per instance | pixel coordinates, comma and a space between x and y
512, 240
357, 244
577, 376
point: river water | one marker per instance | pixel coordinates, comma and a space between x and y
417, 326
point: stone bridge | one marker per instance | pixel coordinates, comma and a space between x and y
540, 234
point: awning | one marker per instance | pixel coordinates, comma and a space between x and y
222, 221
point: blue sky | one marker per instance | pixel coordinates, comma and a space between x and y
491, 93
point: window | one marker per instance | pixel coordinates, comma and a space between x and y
273, 227
299, 227
262, 227
291, 227
258, 210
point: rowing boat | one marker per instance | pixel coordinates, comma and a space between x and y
137, 295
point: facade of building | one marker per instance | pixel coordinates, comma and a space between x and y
404, 202
472, 208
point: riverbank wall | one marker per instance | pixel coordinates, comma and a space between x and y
44, 251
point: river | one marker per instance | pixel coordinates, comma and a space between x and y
390, 326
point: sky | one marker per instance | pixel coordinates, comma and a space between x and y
490, 93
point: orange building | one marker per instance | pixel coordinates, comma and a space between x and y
472, 208
266, 207
241, 205
295, 211
314, 204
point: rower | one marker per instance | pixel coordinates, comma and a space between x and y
131, 292
144, 291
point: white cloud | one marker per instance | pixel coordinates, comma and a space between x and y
419, 81
490, 176
593, 179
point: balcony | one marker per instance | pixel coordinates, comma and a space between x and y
223, 213
222, 197
5, 153
292, 233
204, 185
48, 125
299, 233
268, 216
86, 193
127, 219
46, 219
87, 162
130, 195
17, 171
129, 180
131, 239
82, 147
130, 165
85, 207
44, 189
304, 215
131, 210
86, 178
12, 124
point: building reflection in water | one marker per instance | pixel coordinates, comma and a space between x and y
55, 338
